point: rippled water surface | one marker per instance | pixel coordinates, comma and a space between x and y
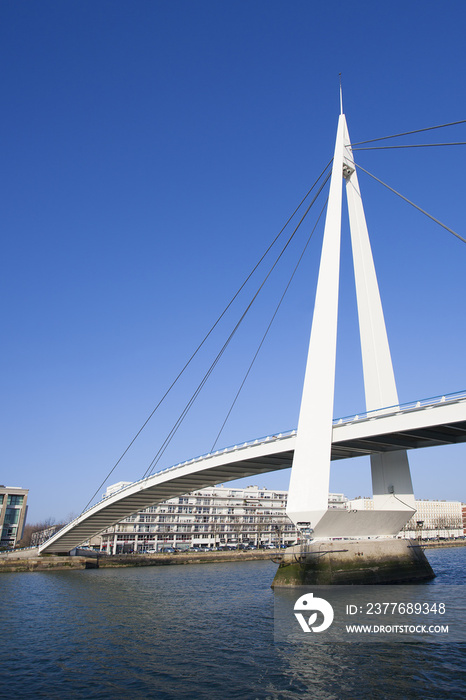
197, 631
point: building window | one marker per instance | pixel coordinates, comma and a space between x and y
14, 500
12, 516
8, 532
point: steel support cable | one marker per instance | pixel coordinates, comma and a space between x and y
184, 413
411, 145
407, 133
412, 203
210, 370
186, 409
206, 336
269, 327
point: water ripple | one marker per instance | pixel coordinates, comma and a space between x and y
199, 631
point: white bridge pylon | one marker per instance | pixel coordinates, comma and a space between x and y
385, 431
310, 474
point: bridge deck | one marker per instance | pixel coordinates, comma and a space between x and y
423, 424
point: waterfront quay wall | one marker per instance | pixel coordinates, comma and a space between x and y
53, 563
50, 563
31, 561
182, 558
443, 543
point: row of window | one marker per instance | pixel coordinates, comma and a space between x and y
213, 520
12, 499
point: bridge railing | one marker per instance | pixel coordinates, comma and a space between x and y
403, 408
200, 458
357, 417
223, 451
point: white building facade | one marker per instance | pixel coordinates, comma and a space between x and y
432, 519
226, 516
211, 517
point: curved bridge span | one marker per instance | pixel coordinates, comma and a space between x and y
432, 422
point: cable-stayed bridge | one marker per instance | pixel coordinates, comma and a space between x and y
385, 431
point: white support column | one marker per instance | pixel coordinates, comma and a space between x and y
391, 478
310, 474
379, 380
309, 483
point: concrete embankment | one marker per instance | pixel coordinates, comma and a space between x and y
29, 560
50, 563
54, 563
443, 543
182, 558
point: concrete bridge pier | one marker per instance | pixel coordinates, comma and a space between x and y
349, 562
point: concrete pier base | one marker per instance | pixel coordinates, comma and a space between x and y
348, 562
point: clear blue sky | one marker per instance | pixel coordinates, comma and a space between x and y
150, 153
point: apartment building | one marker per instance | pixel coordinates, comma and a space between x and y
222, 515
432, 518
211, 517
13, 510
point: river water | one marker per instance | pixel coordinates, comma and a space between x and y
198, 631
